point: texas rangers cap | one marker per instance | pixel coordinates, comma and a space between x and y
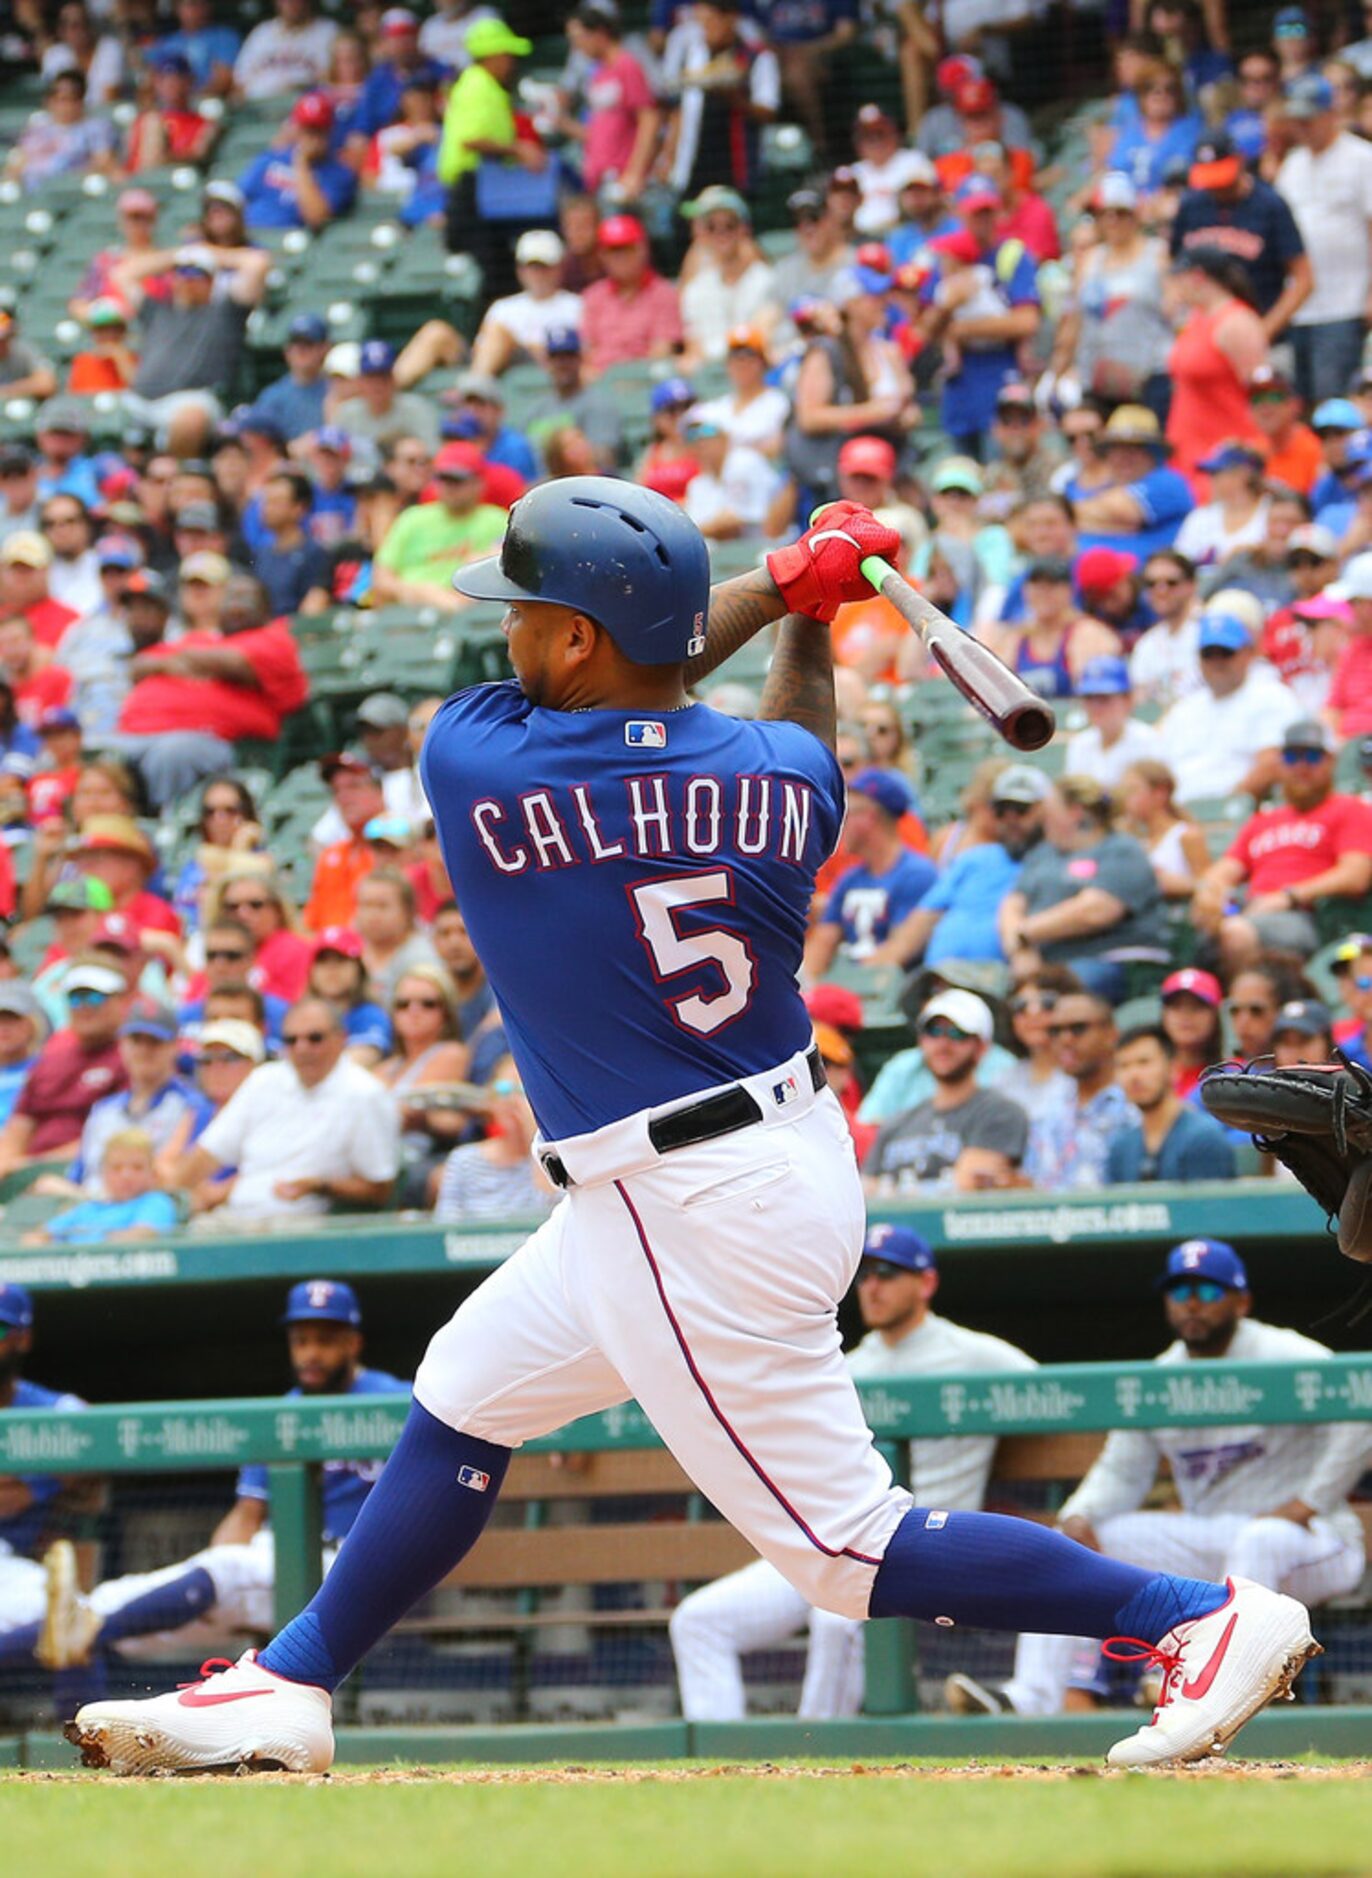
340, 939
322, 1301
620, 231
57, 717
672, 392
867, 456
311, 328
1308, 96
883, 787
1194, 983
314, 111
899, 1245
1306, 1016
561, 341
1214, 1259
147, 1019
1104, 677
16, 1307
1234, 453
374, 357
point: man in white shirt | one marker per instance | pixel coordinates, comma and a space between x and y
1327, 180
1224, 738
519, 325
303, 1133
755, 1608
443, 36
288, 53
735, 487
1266, 1503
1165, 662
883, 168
1113, 739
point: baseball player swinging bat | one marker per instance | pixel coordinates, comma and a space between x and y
987, 683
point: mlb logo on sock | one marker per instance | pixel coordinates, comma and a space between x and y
934, 1522
784, 1092
474, 1478
645, 734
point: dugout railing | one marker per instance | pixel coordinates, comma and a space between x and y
1042, 1419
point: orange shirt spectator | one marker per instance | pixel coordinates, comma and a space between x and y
341, 868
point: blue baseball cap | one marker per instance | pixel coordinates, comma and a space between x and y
1104, 677
1232, 455
171, 61
1336, 414
562, 340
322, 1301
311, 327
884, 788
1224, 630
1214, 1259
460, 427
16, 1307
671, 391
899, 1245
333, 437
1290, 23
375, 356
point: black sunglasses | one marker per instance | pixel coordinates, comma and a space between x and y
1077, 1028
303, 1036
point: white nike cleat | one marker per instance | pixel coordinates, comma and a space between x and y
240, 1717
1217, 1671
70, 1626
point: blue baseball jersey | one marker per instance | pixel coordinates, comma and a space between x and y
637, 887
868, 905
346, 1483
22, 1532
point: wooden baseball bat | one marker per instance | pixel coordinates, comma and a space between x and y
989, 686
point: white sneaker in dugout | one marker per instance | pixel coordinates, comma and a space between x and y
70, 1626
241, 1716
1218, 1670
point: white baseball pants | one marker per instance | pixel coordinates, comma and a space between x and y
705, 1283
1312, 1563
756, 1609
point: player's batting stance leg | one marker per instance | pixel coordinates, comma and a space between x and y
636, 873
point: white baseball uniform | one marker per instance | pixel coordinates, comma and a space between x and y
756, 1607
1228, 1479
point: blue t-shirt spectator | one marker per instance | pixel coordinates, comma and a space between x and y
112, 1114
289, 573
89, 1221
969, 895
346, 1483
211, 46
866, 905
295, 407
1164, 497
969, 394
368, 1024
269, 198
1146, 160
379, 104
1195, 1147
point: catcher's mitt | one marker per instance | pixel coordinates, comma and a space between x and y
1317, 1120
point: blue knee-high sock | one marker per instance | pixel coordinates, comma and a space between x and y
423, 1515
166, 1607
999, 1573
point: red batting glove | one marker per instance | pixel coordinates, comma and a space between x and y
822, 571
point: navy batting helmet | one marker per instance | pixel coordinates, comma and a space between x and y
624, 556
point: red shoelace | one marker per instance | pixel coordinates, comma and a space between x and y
212, 1666
1149, 1655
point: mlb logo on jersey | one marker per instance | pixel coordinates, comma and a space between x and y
784, 1092
645, 734
935, 1522
474, 1478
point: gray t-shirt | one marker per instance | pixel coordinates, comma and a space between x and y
189, 348
921, 1146
1119, 865
20, 360
595, 412
409, 416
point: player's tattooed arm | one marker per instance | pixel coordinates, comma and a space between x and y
739, 609
800, 680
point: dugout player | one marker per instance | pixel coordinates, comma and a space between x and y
636, 871
1264, 1503
227, 1588
24, 1499
755, 1608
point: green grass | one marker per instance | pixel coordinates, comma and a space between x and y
1146, 1826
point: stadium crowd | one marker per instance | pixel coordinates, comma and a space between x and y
1104, 367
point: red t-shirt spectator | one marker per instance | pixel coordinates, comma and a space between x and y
168, 701
149, 912
49, 620
617, 326
1032, 222
49, 790
282, 965
1279, 848
617, 94
63, 1087
182, 132
1350, 693
44, 690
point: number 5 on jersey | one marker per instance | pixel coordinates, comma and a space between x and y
656, 906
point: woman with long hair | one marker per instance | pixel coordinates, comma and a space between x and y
1114, 335
1222, 342
1256, 996
1036, 1081
426, 1053
1191, 1001
853, 382
250, 894
228, 828
1176, 845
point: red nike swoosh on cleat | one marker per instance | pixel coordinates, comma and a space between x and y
1193, 1691
193, 1698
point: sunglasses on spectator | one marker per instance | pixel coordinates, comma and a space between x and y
1032, 1001
1268, 397
418, 1004
1078, 1027
1216, 652
223, 955
879, 1268
940, 1027
1203, 1290
245, 906
1293, 758
295, 1037
1011, 808
79, 999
